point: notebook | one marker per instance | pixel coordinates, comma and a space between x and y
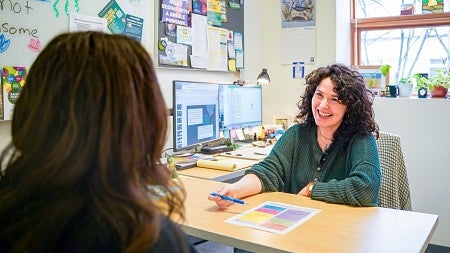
225, 163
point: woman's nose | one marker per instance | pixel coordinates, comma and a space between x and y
324, 103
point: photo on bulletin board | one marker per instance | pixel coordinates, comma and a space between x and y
373, 78
200, 34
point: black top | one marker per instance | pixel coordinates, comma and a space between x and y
85, 235
171, 239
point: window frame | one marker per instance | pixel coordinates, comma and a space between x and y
358, 25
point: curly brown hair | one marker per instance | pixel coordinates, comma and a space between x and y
352, 91
87, 134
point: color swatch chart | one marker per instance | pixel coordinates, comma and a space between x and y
274, 217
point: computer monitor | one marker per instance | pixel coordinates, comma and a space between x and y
195, 114
239, 106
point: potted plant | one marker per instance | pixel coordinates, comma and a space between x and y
422, 84
439, 84
405, 86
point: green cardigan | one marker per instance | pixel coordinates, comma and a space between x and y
345, 176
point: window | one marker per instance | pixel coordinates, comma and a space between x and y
417, 43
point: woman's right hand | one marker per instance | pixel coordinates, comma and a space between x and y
225, 190
246, 186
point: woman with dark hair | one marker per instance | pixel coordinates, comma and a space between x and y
331, 154
87, 134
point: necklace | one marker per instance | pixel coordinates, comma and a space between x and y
328, 139
326, 142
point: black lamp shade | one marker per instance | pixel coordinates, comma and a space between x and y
263, 78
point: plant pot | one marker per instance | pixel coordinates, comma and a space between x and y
405, 89
439, 91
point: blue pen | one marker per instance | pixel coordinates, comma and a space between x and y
225, 197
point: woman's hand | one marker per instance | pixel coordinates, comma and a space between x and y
225, 190
306, 190
246, 186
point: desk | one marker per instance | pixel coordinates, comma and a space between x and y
336, 228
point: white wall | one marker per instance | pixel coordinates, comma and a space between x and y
425, 138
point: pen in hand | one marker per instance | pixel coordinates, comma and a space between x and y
225, 197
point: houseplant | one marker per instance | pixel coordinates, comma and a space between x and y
439, 84
422, 84
405, 86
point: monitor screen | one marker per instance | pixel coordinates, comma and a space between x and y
240, 106
195, 114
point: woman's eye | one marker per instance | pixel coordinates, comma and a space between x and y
335, 100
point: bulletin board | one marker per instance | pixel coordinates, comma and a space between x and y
26, 27
200, 34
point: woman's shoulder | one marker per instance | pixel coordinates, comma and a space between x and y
299, 129
363, 140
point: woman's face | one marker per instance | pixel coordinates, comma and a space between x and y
328, 110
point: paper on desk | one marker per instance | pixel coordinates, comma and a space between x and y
274, 217
225, 163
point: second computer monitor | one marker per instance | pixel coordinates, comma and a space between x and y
239, 106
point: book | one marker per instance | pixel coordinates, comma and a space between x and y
13, 79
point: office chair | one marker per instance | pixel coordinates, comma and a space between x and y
394, 192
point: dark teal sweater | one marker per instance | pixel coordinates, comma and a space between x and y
347, 176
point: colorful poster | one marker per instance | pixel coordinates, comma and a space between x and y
274, 217
115, 17
13, 79
199, 7
298, 13
175, 12
215, 12
133, 27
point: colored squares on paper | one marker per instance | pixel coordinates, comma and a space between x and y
274, 217
286, 219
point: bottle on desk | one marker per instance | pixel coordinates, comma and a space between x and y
262, 135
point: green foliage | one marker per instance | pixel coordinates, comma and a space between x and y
421, 81
406, 80
442, 78
385, 69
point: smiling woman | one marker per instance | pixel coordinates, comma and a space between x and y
7, 28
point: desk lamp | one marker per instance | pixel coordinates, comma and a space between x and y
263, 78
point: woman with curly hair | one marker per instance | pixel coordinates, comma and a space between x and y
330, 154
87, 135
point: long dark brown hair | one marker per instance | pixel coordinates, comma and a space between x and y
88, 130
351, 90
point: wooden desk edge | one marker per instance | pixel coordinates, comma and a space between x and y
230, 241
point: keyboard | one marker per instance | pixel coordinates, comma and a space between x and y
252, 153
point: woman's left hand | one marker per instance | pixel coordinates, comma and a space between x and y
305, 191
